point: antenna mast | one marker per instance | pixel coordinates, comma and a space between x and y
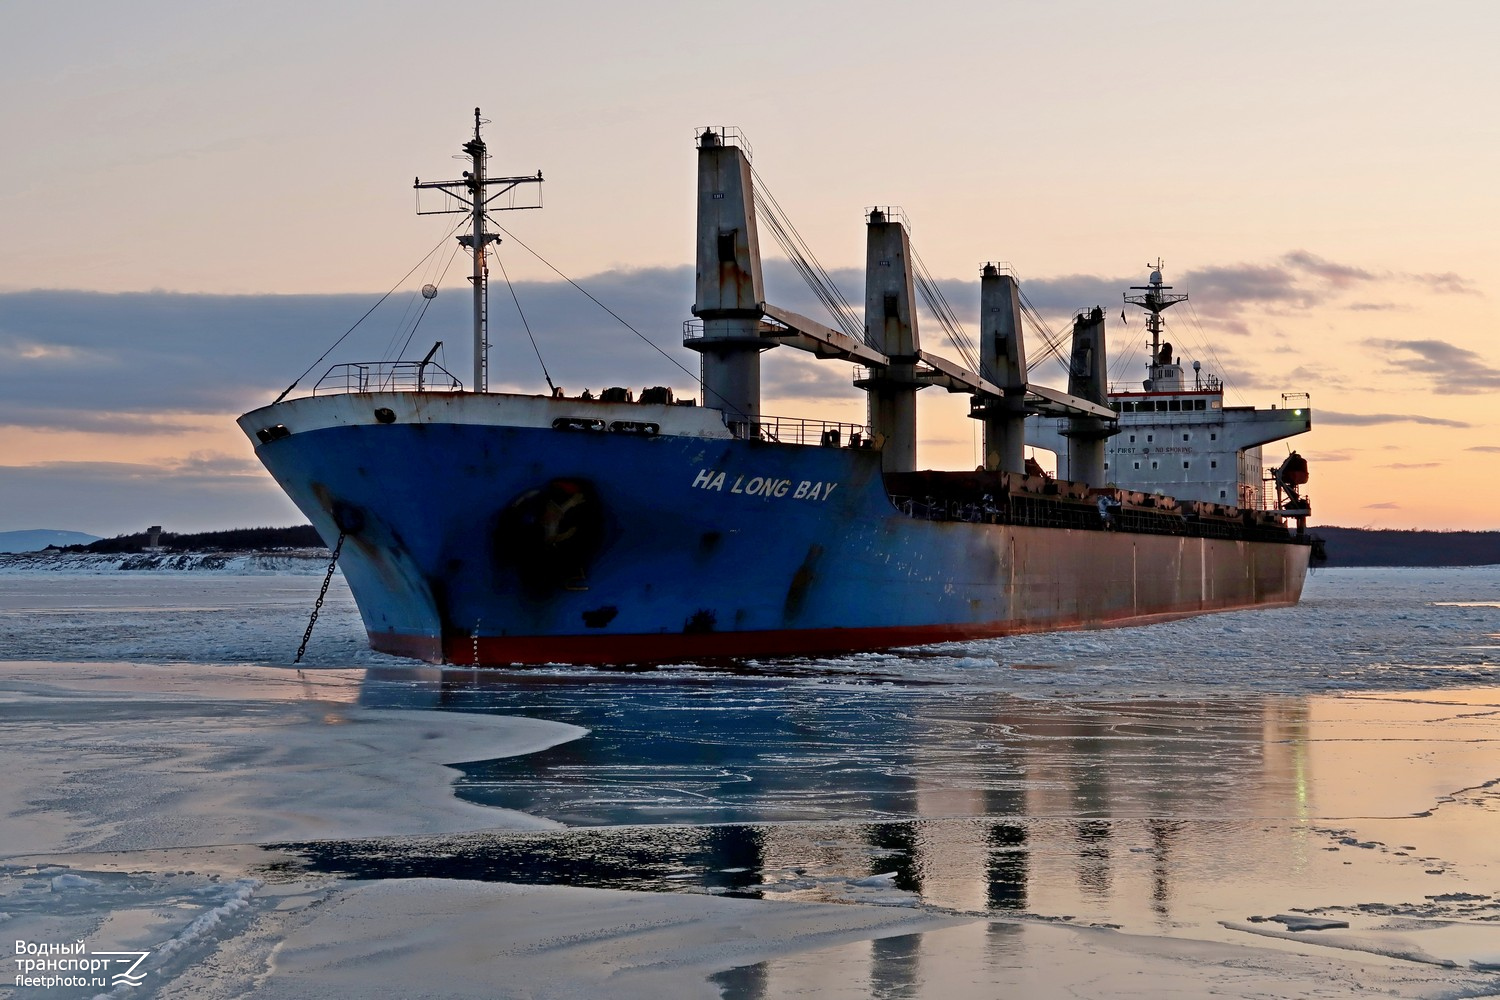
470, 195
1155, 301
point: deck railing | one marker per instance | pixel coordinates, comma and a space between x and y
802, 430
388, 376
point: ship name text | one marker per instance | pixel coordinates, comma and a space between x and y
764, 486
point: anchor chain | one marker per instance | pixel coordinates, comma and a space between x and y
318, 605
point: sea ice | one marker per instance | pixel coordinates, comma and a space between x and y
1297, 922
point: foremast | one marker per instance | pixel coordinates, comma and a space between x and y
472, 195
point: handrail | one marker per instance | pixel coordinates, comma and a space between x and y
805, 430
388, 376
1201, 384
728, 135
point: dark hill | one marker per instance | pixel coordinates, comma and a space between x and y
301, 536
1371, 547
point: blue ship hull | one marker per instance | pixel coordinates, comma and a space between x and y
471, 538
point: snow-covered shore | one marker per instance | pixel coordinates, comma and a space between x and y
298, 561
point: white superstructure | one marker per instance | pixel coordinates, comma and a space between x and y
1176, 434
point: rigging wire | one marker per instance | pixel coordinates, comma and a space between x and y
830, 297
1053, 344
434, 277
938, 305
805, 261
696, 378
1051, 340
1214, 354
400, 327
346, 333
427, 302
769, 210
525, 324
1120, 364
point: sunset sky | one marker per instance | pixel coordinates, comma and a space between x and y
196, 199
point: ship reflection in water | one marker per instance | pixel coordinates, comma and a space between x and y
1148, 813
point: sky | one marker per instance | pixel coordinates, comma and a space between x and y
197, 199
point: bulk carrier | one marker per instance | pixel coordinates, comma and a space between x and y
489, 528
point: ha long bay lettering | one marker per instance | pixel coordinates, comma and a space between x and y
764, 486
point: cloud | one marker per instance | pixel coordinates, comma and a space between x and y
154, 364
190, 495
72, 360
209, 467
1230, 291
157, 362
58, 416
798, 375
214, 464
1298, 281
1491, 448
1382, 506
1338, 275
1446, 283
1318, 375
18, 350
1372, 419
1456, 369
1345, 276
1412, 465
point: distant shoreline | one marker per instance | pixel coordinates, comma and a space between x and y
1345, 547
1414, 547
303, 561
1348, 548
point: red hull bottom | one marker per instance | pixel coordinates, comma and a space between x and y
602, 650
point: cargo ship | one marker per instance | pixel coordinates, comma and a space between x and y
489, 528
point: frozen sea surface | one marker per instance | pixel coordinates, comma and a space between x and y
1356, 629
1226, 782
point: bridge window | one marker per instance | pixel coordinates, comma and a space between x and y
1184, 465
1153, 465
1150, 437
1184, 437
1138, 465
1213, 436
1213, 463
1222, 494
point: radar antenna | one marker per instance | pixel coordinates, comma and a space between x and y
1156, 300
471, 194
